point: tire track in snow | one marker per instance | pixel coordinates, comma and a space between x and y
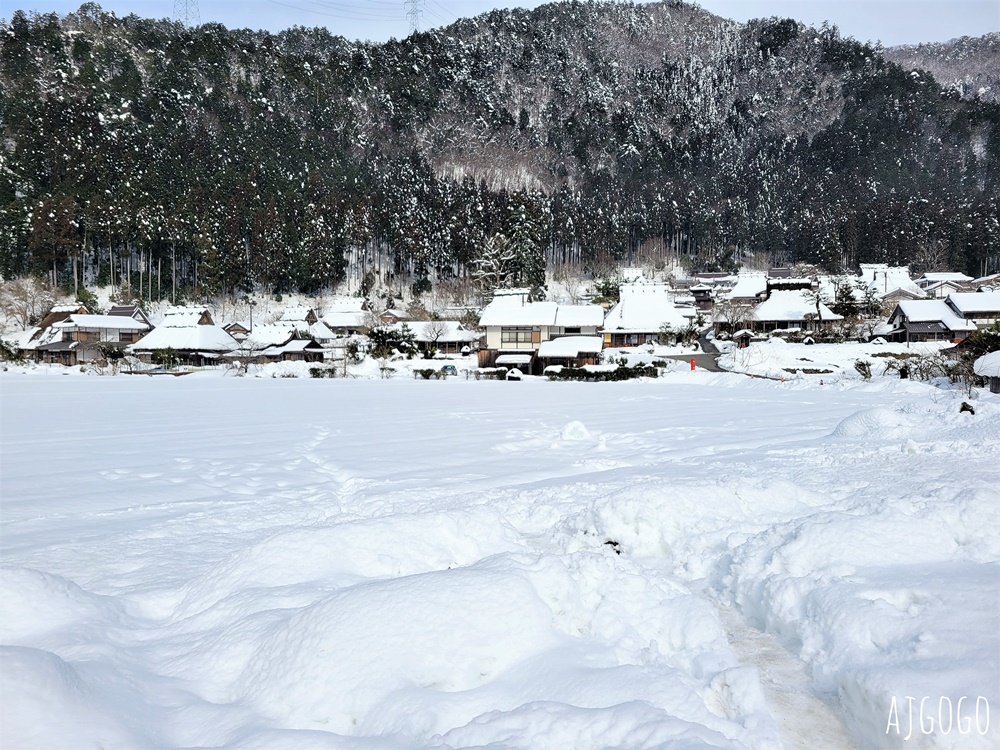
805, 720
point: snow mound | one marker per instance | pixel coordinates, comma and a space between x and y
47, 704
879, 423
34, 604
636, 725
576, 432
336, 664
347, 553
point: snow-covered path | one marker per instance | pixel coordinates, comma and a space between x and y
805, 721
282, 563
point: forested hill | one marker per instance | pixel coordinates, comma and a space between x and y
971, 65
583, 132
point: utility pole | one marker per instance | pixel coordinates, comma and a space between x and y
414, 13
187, 12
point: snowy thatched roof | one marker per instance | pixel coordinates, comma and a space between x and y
791, 305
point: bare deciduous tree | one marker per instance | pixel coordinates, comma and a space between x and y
24, 301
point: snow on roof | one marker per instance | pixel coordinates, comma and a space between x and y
71, 308
748, 285
571, 346
932, 311
791, 305
22, 339
346, 318
945, 276
270, 335
885, 279
321, 331
645, 309
511, 312
988, 366
295, 314
450, 331
207, 338
118, 322
975, 302
182, 317
579, 316
295, 345
345, 304
513, 359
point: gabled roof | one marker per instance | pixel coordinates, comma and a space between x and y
748, 285
130, 311
944, 276
975, 302
579, 316
508, 311
645, 310
346, 319
300, 314
295, 345
885, 279
791, 305
182, 317
114, 322
190, 337
931, 311
270, 335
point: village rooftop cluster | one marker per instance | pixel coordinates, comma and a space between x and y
517, 333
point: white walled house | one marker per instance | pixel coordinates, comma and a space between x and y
84, 337
516, 327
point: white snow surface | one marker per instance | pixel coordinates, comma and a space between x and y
699, 561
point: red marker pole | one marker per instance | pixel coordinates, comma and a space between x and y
692, 364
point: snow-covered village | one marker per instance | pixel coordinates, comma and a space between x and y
575, 376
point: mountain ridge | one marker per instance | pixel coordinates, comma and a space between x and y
593, 133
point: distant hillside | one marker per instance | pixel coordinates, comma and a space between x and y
971, 65
577, 132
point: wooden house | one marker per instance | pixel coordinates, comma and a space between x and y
927, 320
516, 328
87, 337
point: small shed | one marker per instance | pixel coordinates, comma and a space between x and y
519, 361
988, 366
742, 338
571, 351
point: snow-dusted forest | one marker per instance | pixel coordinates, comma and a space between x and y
151, 156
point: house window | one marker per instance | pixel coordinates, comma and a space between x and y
571, 330
515, 335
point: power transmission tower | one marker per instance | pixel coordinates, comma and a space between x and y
187, 12
414, 13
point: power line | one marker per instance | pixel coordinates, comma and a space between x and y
414, 13
187, 12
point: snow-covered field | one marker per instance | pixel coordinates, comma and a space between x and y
776, 358
703, 561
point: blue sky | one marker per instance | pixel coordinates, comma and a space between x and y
890, 21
